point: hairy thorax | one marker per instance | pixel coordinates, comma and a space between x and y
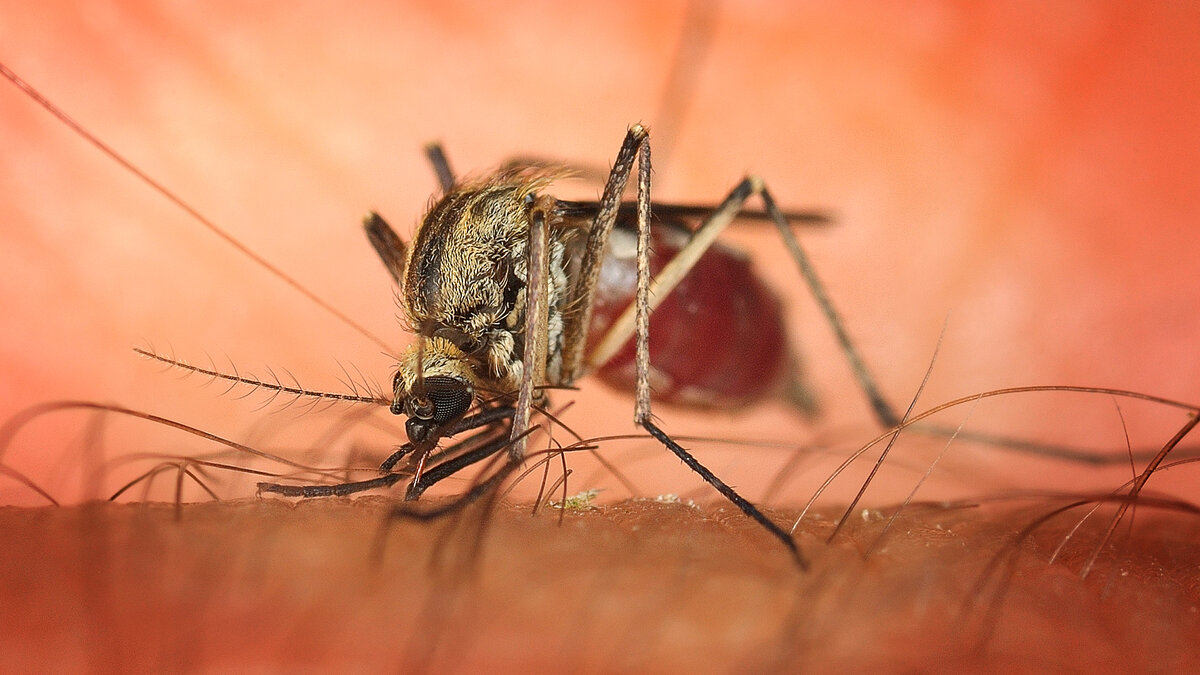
466, 276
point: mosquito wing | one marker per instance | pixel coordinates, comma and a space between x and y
690, 213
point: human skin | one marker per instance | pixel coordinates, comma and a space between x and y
1025, 173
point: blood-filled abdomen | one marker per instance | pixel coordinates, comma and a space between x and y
718, 340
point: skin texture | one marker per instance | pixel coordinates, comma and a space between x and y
1026, 173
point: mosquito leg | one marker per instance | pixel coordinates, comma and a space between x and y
642, 413
441, 165
883, 410
579, 313
729, 493
338, 490
642, 306
637, 148
537, 319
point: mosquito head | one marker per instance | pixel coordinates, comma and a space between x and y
433, 387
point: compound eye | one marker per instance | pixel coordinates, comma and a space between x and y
446, 399
396, 381
449, 397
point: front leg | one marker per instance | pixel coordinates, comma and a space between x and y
637, 148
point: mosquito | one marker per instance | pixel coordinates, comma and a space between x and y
510, 292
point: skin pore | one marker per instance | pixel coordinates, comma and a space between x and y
1025, 173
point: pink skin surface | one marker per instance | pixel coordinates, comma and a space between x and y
1023, 176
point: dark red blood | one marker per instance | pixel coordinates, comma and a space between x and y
717, 340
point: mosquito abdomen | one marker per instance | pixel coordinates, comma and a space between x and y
718, 340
